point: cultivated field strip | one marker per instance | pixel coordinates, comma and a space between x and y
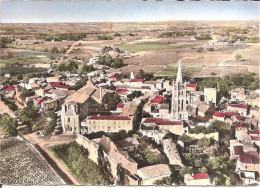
22, 165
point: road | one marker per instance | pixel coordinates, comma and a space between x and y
42, 146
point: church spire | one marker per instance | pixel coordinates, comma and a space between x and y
179, 74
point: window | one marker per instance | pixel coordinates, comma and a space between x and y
68, 119
118, 127
89, 122
94, 128
108, 129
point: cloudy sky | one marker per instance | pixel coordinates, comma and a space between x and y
118, 11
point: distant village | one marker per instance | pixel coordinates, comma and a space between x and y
150, 132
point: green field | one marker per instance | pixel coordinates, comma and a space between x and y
152, 46
171, 71
22, 61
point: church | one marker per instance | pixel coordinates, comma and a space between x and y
179, 98
87, 100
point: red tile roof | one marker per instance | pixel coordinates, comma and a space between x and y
246, 125
256, 138
157, 99
10, 88
254, 132
153, 120
159, 121
238, 117
121, 90
230, 113
238, 106
238, 150
120, 105
59, 85
145, 87
109, 118
249, 157
116, 75
218, 114
191, 85
48, 92
136, 80
40, 102
169, 123
201, 176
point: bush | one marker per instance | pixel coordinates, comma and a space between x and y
164, 181
105, 37
49, 128
20, 77
238, 57
79, 84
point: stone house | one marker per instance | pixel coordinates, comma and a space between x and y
201, 179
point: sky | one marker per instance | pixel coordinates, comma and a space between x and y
130, 11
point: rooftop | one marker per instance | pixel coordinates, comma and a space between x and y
109, 118
201, 176
136, 80
10, 88
245, 106
157, 99
249, 157
218, 114
155, 170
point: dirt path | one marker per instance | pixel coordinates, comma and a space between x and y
68, 51
43, 144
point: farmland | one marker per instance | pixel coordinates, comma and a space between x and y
22, 61
171, 71
22, 165
151, 46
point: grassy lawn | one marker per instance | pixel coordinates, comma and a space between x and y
171, 71
22, 61
151, 46
74, 158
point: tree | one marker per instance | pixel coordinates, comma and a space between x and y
237, 79
54, 50
20, 77
49, 128
8, 125
238, 57
151, 157
185, 138
185, 170
4, 41
27, 93
143, 75
203, 170
204, 142
143, 145
52, 115
79, 84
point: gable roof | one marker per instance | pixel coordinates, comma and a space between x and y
155, 171
191, 85
157, 99
218, 114
121, 90
10, 88
109, 118
238, 150
136, 80
130, 109
201, 176
116, 75
243, 124
249, 157
245, 106
84, 93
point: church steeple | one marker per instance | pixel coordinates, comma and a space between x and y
179, 74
